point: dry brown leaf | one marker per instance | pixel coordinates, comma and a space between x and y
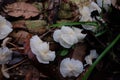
23, 9
20, 36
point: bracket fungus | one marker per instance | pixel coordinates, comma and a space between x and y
71, 67
68, 36
93, 54
41, 50
5, 27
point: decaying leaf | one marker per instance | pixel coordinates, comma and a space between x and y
34, 26
20, 36
79, 51
37, 26
27, 49
23, 9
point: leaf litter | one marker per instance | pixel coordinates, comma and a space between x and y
37, 18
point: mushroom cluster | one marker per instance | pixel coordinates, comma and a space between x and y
68, 36
41, 50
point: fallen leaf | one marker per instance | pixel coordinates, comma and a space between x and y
20, 37
18, 24
79, 51
27, 49
32, 26
23, 9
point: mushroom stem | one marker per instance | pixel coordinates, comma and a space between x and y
5, 41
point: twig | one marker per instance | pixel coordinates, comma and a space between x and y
14, 66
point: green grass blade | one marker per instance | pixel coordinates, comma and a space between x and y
100, 33
74, 23
100, 57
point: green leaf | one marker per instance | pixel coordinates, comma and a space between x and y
64, 52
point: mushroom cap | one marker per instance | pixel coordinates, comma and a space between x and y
5, 27
5, 55
41, 50
85, 12
56, 35
65, 36
93, 6
93, 54
79, 35
71, 67
105, 3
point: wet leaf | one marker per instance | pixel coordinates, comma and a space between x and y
27, 49
23, 9
20, 36
79, 51
64, 52
32, 26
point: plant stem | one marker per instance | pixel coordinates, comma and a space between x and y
100, 57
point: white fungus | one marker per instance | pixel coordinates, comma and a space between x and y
4, 71
71, 67
85, 12
41, 50
78, 33
93, 54
104, 3
68, 36
5, 27
5, 53
93, 6
5, 56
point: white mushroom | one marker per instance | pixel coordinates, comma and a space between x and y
41, 50
85, 14
78, 33
5, 53
65, 36
105, 3
91, 28
93, 54
93, 6
71, 67
5, 27
5, 56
